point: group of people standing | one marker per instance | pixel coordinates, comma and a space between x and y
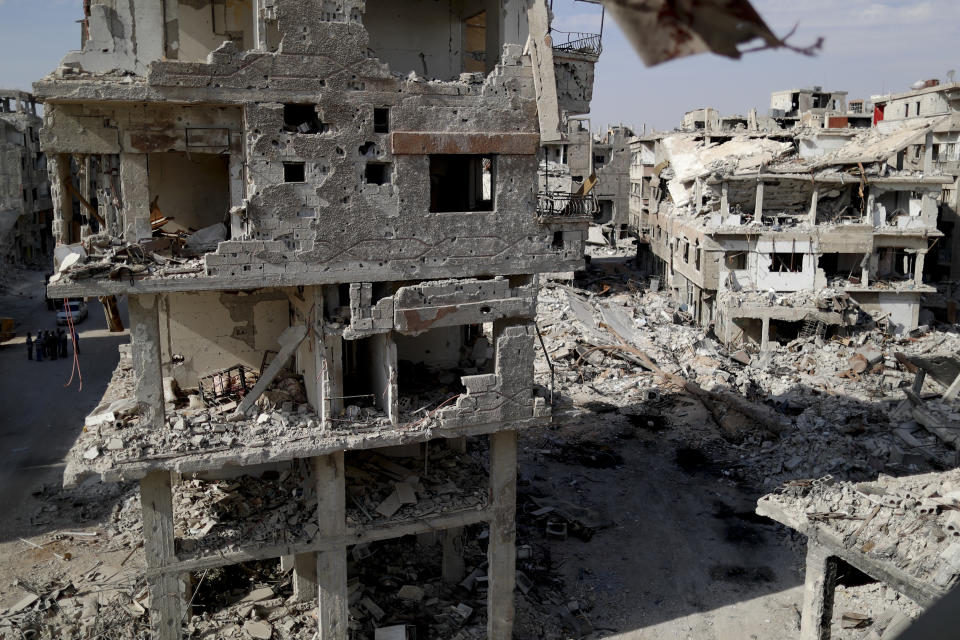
51, 345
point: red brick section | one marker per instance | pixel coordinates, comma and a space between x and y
404, 143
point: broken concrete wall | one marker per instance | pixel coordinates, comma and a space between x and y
901, 308
203, 332
203, 25
574, 75
506, 395
122, 35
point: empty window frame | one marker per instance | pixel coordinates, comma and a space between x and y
462, 183
381, 120
377, 173
294, 172
786, 262
735, 260
302, 118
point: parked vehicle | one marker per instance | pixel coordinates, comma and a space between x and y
78, 310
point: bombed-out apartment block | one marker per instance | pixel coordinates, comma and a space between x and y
771, 235
931, 101
597, 167
25, 207
325, 218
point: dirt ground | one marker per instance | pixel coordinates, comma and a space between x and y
677, 551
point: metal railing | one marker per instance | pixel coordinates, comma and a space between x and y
585, 43
567, 206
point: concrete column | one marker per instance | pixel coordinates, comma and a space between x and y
725, 198
758, 208
821, 578
453, 566
331, 573
166, 604
58, 167
145, 351
928, 153
333, 385
135, 186
237, 229
918, 267
765, 335
814, 199
501, 552
305, 585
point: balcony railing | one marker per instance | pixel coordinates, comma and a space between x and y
562, 206
590, 44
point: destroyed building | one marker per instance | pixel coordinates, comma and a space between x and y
597, 167
329, 240
815, 108
940, 102
25, 206
767, 235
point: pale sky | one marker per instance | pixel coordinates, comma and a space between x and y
870, 47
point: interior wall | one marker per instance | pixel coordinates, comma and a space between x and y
437, 348
427, 36
204, 25
216, 330
194, 188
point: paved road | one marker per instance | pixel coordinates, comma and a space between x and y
40, 417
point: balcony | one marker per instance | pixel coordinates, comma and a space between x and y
566, 207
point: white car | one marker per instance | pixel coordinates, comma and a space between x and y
78, 311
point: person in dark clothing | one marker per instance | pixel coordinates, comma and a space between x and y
63, 343
29, 347
54, 350
38, 346
76, 342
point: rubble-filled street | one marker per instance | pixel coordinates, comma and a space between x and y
635, 506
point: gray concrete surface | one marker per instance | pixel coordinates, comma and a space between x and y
41, 417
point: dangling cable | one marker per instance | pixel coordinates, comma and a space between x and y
73, 338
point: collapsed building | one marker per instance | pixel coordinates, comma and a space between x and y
25, 205
932, 100
770, 234
330, 243
597, 167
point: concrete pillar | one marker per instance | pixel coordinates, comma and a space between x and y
58, 168
237, 229
145, 352
453, 566
765, 335
331, 572
166, 603
814, 199
333, 378
305, 585
928, 153
725, 198
135, 186
501, 552
758, 207
918, 267
818, 591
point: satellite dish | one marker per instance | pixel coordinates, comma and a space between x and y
951, 75
917, 85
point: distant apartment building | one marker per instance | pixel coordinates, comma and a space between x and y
25, 205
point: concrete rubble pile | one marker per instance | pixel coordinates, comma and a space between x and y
826, 405
408, 489
912, 522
